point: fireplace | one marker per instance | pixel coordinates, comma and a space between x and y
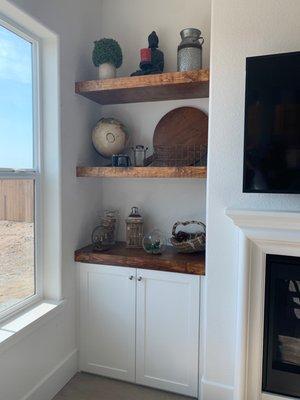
281, 344
268, 305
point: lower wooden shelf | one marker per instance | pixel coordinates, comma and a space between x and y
142, 172
169, 261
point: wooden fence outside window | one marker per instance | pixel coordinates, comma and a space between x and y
17, 200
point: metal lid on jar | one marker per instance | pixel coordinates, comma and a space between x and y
190, 32
135, 213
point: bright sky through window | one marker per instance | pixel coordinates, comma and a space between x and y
16, 108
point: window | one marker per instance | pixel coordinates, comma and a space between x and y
20, 244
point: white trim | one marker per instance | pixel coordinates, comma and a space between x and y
53, 382
265, 219
24, 34
14, 27
50, 143
27, 321
23, 19
202, 332
51, 174
242, 322
35, 173
260, 233
18, 307
216, 391
6, 173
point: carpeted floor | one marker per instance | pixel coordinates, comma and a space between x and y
90, 387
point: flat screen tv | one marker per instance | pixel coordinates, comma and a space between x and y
272, 124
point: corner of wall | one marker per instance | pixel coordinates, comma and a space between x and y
55, 380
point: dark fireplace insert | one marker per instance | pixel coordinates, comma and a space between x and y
281, 351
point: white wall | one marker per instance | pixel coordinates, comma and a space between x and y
162, 201
240, 28
28, 362
131, 21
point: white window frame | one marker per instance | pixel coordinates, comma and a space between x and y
34, 174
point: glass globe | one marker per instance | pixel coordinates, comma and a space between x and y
154, 242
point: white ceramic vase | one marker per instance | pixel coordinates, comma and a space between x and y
107, 71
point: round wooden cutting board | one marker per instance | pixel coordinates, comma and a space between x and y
182, 126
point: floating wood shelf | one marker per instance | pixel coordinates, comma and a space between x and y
142, 172
169, 261
167, 86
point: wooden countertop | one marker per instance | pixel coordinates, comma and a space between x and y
169, 261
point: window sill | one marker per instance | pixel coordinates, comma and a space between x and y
25, 322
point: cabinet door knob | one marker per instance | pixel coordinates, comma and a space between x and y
140, 278
131, 277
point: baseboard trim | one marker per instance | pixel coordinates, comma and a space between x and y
213, 390
53, 382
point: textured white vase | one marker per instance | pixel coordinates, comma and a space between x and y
107, 71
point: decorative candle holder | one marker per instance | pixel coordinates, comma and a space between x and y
134, 229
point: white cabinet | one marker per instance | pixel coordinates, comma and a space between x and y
167, 333
107, 321
140, 326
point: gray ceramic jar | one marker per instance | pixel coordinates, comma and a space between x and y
189, 53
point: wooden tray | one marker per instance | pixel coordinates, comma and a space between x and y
182, 126
179, 131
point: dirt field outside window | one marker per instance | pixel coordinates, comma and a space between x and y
17, 280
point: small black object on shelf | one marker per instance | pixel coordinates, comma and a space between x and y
152, 59
120, 160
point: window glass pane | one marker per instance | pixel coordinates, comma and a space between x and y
17, 265
16, 105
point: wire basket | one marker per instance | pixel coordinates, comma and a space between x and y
188, 242
178, 156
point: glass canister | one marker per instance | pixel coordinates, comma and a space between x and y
189, 53
104, 235
139, 155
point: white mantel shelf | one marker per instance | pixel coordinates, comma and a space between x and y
265, 219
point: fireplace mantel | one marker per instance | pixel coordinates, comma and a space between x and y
259, 233
265, 219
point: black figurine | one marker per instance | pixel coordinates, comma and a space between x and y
152, 59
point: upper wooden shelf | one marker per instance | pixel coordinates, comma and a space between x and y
169, 261
142, 172
167, 86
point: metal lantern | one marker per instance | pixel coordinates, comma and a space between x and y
134, 229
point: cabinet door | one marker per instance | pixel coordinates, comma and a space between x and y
107, 321
167, 331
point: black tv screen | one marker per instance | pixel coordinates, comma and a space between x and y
272, 124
